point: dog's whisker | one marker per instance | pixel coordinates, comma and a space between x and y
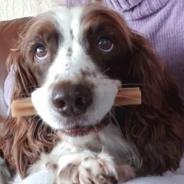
93, 125
100, 75
116, 122
109, 119
32, 118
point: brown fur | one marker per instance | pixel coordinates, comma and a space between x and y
155, 128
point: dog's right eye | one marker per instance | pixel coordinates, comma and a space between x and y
105, 45
41, 52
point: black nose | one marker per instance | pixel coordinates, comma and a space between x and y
71, 100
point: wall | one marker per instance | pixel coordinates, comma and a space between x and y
11, 9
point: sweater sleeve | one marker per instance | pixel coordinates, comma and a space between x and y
72, 3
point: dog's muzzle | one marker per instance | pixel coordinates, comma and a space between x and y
71, 100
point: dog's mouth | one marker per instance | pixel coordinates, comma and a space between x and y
79, 131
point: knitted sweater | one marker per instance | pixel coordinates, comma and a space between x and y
161, 22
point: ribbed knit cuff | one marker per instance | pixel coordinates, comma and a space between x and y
72, 3
136, 8
122, 5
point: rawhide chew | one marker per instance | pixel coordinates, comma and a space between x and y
125, 96
128, 96
22, 107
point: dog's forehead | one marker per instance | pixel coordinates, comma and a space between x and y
69, 20
72, 21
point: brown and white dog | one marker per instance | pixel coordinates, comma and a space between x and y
72, 63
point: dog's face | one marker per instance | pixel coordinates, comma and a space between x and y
75, 56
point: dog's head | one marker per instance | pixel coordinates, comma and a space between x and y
72, 62
82, 55
78, 58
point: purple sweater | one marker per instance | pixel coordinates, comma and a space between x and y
161, 22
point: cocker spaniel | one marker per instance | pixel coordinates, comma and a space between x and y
72, 63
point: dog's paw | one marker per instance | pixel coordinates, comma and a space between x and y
97, 169
91, 168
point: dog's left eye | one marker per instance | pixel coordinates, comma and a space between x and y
41, 52
105, 45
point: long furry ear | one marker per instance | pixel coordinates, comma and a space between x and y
156, 127
160, 91
24, 78
24, 138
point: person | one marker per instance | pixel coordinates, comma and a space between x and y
160, 21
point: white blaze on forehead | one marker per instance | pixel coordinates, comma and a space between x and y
64, 64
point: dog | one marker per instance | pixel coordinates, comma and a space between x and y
72, 62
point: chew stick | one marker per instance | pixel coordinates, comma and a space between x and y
128, 96
125, 96
22, 107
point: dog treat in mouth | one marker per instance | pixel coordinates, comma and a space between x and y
125, 96
128, 96
22, 107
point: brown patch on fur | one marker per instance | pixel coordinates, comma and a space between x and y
71, 34
69, 53
85, 73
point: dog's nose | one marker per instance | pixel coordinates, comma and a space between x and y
72, 100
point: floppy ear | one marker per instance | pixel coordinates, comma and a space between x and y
160, 91
24, 78
24, 138
156, 127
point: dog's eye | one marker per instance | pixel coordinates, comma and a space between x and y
105, 45
41, 52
